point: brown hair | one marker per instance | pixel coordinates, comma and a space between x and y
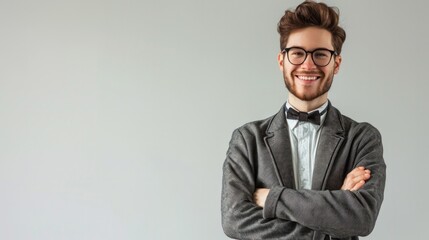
312, 14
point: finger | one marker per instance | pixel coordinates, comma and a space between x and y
364, 176
358, 185
357, 180
355, 176
351, 182
357, 171
360, 173
348, 184
256, 199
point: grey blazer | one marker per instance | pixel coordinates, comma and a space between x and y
259, 156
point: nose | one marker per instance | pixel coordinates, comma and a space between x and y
308, 63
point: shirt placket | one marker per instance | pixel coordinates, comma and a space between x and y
304, 155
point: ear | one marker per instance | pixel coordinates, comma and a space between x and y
338, 60
280, 60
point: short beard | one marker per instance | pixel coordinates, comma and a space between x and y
308, 96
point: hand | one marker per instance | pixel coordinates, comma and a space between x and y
356, 179
260, 196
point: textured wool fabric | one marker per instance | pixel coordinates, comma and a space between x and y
259, 156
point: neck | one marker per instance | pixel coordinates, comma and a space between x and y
307, 106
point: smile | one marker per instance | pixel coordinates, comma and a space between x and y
307, 78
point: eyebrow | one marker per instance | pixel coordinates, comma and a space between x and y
310, 49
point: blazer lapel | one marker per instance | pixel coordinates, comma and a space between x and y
330, 140
278, 145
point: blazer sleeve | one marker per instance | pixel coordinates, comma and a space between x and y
336, 212
241, 218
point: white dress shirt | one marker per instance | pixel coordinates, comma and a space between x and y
304, 138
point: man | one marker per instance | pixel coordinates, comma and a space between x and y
308, 172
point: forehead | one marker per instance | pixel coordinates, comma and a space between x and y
310, 38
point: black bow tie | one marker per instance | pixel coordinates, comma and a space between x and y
313, 117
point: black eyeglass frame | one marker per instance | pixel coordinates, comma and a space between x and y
333, 53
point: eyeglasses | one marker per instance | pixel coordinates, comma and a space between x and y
321, 56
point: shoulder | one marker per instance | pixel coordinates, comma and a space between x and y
251, 131
261, 128
354, 128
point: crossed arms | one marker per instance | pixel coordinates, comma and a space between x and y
353, 182
250, 211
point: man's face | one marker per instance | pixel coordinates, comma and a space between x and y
309, 82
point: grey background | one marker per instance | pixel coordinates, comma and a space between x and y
116, 115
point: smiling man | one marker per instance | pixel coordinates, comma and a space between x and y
308, 172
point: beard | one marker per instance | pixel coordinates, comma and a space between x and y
322, 88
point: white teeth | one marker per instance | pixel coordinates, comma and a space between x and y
307, 78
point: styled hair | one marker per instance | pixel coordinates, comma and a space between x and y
312, 14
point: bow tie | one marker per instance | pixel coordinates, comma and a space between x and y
313, 117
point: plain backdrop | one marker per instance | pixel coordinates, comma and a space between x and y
115, 115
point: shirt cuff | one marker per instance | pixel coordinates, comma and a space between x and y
271, 202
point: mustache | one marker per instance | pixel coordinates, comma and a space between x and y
309, 72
